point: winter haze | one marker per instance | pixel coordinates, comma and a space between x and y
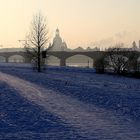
82, 22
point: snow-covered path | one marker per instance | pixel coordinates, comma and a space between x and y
89, 121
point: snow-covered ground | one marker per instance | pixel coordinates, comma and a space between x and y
67, 103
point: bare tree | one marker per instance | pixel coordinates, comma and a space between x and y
38, 39
117, 59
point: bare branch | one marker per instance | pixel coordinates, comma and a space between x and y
38, 39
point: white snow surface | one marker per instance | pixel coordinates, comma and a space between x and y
89, 120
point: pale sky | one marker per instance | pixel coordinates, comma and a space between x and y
81, 22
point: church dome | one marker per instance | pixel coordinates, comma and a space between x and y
57, 41
58, 44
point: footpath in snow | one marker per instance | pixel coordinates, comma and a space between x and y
88, 120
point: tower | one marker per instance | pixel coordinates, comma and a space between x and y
134, 45
57, 32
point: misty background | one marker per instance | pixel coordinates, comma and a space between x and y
82, 23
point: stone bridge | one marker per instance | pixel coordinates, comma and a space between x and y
64, 55
6, 56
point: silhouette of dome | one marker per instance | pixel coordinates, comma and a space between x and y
89, 49
79, 49
58, 44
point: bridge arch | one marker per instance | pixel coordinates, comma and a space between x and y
16, 59
53, 61
81, 60
2, 59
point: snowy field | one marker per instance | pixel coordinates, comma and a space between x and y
67, 104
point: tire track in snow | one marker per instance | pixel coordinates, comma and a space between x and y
89, 121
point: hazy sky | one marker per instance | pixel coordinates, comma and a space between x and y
81, 22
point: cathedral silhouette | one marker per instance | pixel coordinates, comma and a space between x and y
58, 44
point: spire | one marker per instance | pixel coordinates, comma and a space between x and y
134, 44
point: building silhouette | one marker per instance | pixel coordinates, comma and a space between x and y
58, 44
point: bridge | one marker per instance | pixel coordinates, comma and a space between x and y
62, 55
6, 56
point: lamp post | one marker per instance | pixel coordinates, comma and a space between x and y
88, 63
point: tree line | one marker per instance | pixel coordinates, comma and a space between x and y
120, 61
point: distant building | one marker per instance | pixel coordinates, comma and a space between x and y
93, 49
79, 49
89, 49
135, 47
58, 44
